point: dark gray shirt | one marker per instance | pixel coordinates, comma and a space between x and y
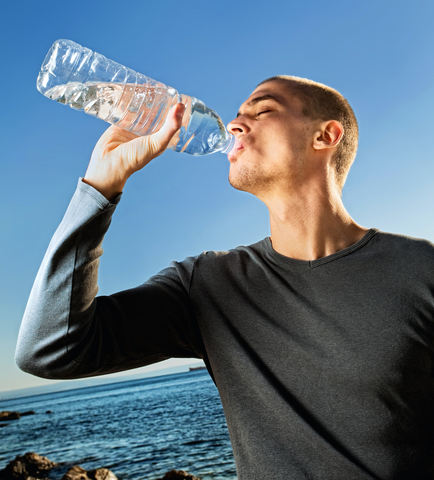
324, 367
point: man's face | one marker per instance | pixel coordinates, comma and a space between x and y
272, 140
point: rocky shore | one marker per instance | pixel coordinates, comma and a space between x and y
32, 466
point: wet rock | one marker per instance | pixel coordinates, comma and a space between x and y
30, 412
6, 416
48, 411
101, 474
3, 425
178, 475
75, 473
79, 473
30, 466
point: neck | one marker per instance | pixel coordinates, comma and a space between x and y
311, 223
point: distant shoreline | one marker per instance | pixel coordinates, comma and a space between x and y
66, 385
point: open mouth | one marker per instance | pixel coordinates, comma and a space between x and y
237, 148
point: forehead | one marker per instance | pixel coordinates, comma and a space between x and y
276, 86
274, 90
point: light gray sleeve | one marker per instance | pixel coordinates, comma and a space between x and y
68, 333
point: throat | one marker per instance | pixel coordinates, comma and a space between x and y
304, 235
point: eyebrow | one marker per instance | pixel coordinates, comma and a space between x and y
261, 99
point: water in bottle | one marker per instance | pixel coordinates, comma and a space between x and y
87, 81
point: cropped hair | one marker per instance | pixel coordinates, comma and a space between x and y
321, 102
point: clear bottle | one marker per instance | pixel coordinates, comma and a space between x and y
85, 80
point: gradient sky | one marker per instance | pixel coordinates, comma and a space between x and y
377, 53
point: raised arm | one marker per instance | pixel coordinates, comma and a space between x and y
68, 333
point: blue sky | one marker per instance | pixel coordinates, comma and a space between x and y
377, 53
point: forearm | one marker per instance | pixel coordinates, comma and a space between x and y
65, 287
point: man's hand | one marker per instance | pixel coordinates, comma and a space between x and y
118, 154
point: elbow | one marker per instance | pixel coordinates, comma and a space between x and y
49, 363
44, 369
26, 363
38, 362
23, 355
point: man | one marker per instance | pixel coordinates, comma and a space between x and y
320, 338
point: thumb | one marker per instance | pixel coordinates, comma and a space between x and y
172, 124
140, 151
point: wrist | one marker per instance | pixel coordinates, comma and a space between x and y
109, 190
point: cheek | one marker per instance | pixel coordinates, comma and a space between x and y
278, 146
267, 144
291, 142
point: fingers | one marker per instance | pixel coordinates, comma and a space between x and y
151, 146
142, 150
161, 139
118, 153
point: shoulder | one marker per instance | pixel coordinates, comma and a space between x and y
212, 263
404, 241
237, 255
236, 262
403, 246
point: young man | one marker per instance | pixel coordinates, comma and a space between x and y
320, 338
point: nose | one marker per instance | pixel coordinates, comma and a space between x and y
237, 126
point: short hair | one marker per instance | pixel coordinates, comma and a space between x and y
321, 102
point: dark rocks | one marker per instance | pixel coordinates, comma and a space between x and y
6, 416
101, 474
178, 475
30, 466
78, 473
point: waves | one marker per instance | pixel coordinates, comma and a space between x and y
139, 429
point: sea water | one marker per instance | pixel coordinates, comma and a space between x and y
139, 429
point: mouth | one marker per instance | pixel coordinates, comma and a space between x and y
239, 146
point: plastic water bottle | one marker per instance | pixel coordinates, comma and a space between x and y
85, 80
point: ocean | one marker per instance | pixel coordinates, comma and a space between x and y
139, 429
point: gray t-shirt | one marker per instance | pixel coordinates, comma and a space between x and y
324, 367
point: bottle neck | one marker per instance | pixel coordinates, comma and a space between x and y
229, 144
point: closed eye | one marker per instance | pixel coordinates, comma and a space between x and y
265, 111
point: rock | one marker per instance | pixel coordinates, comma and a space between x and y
101, 474
5, 416
48, 411
76, 473
178, 475
30, 466
79, 473
4, 424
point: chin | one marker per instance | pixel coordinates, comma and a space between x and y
245, 181
235, 180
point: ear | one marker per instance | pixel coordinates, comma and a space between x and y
328, 135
